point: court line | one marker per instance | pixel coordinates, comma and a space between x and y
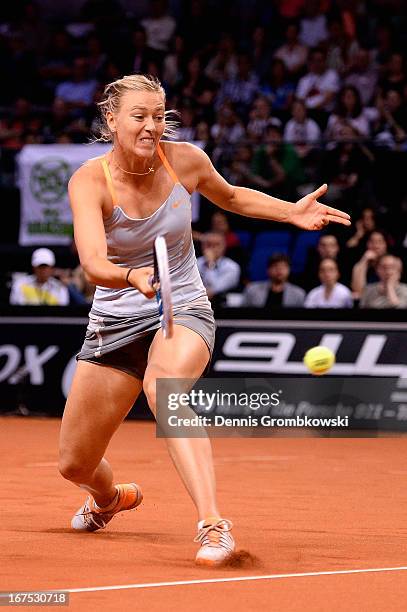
145, 585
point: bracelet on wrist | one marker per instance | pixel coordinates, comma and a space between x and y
127, 276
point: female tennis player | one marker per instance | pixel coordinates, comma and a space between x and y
121, 202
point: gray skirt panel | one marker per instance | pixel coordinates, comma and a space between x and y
123, 343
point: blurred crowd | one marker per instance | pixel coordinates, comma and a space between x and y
282, 95
364, 272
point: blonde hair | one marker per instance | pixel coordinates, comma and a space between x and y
112, 97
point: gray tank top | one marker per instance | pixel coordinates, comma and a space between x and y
130, 244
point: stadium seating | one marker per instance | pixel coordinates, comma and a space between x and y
303, 242
274, 240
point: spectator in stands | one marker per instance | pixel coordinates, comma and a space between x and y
197, 89
228, 128
313, 27
220, 225
365, 225
58, 121
363, 75
388, 292
78, 93
364, 271
219, 273
276, 292
292, 52
260, 118
96, 57
349, 111
277, 164
240, 89
391, 128
160, 27
55, 66
239, 170
395, 75
195, 23
278, 87
381, 53
331, 293
112, 71
40, 288
301, 131
14, 126
140, 53
327, 248
347, 166
260, 54
223, 65
187, 129
174, 63
341, 48
34, 131
320, 85
202, 133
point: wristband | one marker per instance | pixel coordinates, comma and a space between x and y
127, 276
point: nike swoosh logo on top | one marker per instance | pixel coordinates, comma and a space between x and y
177, 203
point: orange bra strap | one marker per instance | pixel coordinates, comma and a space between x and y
167, 165
109, 181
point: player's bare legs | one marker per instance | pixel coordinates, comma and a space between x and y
185, 355
99, 400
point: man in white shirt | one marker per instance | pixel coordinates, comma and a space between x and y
159, 26
78, 92
313, 25
319, 86
39, 288
293, 54
330, 294
219, 273
300, 130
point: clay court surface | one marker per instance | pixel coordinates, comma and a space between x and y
301, 505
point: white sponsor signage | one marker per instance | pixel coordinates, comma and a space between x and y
268, 353
44, 172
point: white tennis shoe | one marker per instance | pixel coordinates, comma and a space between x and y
91, 518
217, 543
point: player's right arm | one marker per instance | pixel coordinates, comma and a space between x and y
86, 198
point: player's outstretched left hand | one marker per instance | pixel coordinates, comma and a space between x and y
310, 214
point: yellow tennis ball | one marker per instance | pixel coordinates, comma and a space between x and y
319, 360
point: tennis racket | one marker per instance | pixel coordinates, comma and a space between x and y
162, 286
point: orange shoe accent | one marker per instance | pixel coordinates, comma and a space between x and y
129, 497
